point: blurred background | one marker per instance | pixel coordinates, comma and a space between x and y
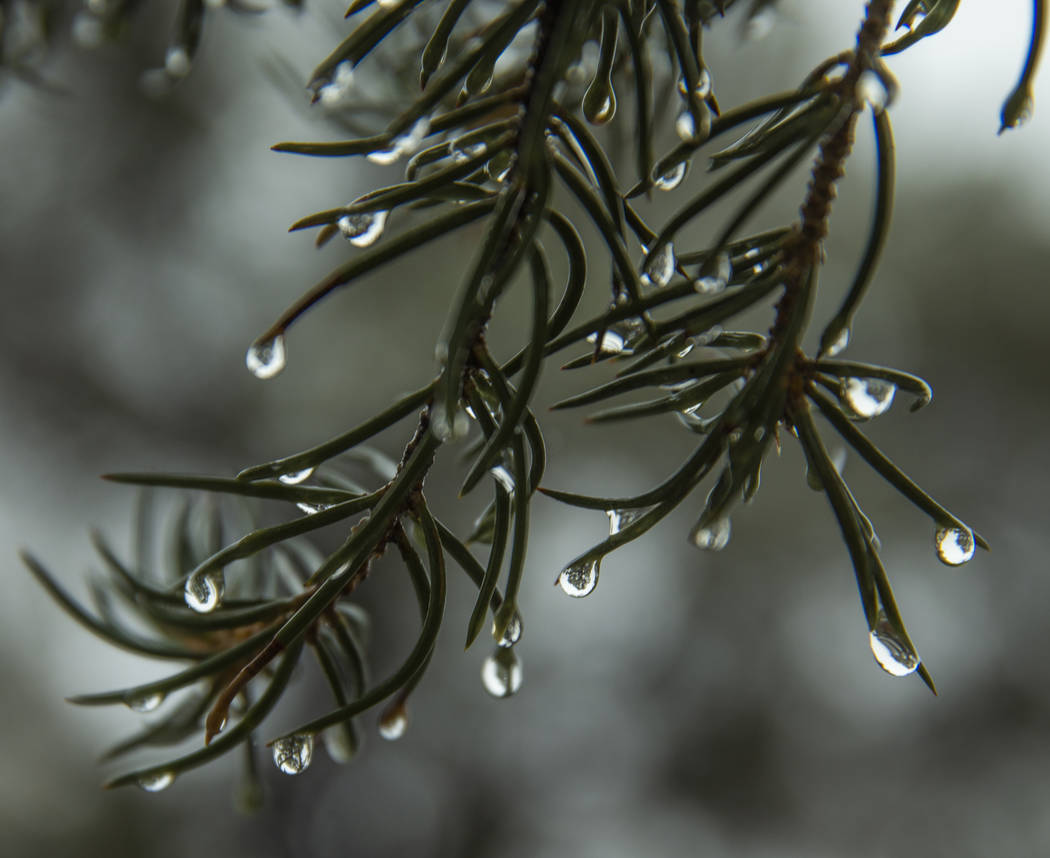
714, 704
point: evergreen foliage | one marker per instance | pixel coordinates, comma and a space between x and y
501, 131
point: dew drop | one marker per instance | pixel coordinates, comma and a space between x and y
266, 358
599, 104
88, 31
340, 743
157, 781
872, 91
714, 276
145, 702
312, 508
838, 345
511, 635
612, 342
671, 178
868, 397
203, 592
292, 754
177, 61
293, 478
364, 229
955, 545
393, 722
659, 267
893, 655
619, 519
580, 579
685, 127
501, 673
714, 536
455, 429
504, 477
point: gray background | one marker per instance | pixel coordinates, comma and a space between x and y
717, 705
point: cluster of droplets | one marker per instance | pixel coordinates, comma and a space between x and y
955, 545
712, 536
501, 673
579, 579
292, 754
891, 652
266, 358
868, 397
203, 590
659, 266
363, 229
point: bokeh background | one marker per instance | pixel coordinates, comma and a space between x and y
694, 704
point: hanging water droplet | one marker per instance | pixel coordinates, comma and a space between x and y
292, 754
340, 743
393, 722
501, 673
872, 91
685, 127
893, 654
504, 477
671, 178
500, 166
177, 61
363, 229
266, 358
203, 591
145, 702
580, 579
405, 144
619, 519
868, 397
599, 105
446, 429
157, 781
338, 88
659, 266
612, 342
511, 635
955, 545
838, 345
88, 31
713, 536
714, 276
293, 478
312, 508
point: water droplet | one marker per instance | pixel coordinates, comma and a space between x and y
88, 31
612, 342
292, 754
512, 634
713, 536
838, 345
405, 144
504, 477
619, 519
393, 722
580, 579
659, 267
312, 508
872, 91
893, 655
364, 229
146, 702
340, 743
672, 177
868, 397
955, 545
685, 127
500, 166
333, 93
759, 24
266, 358
177, 61
714, 276
203, 592
501, 673
157, 781
445, 429
293, 478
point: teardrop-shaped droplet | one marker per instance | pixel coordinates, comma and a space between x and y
446, 428
504, 477
501, 673
393, 722
872, 91
714, 276
511, 635
838, 345
619, 519
266, 358
659, 266
292, 754
177, 61
293, 478
599, 102
893, 654
203, 592
500, 166
688, 129
340, 743
955, 545
868, 397
157, 781
713, 536
1017, 109
363, 229
671, 178
146, 702
580, 579
703, 84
